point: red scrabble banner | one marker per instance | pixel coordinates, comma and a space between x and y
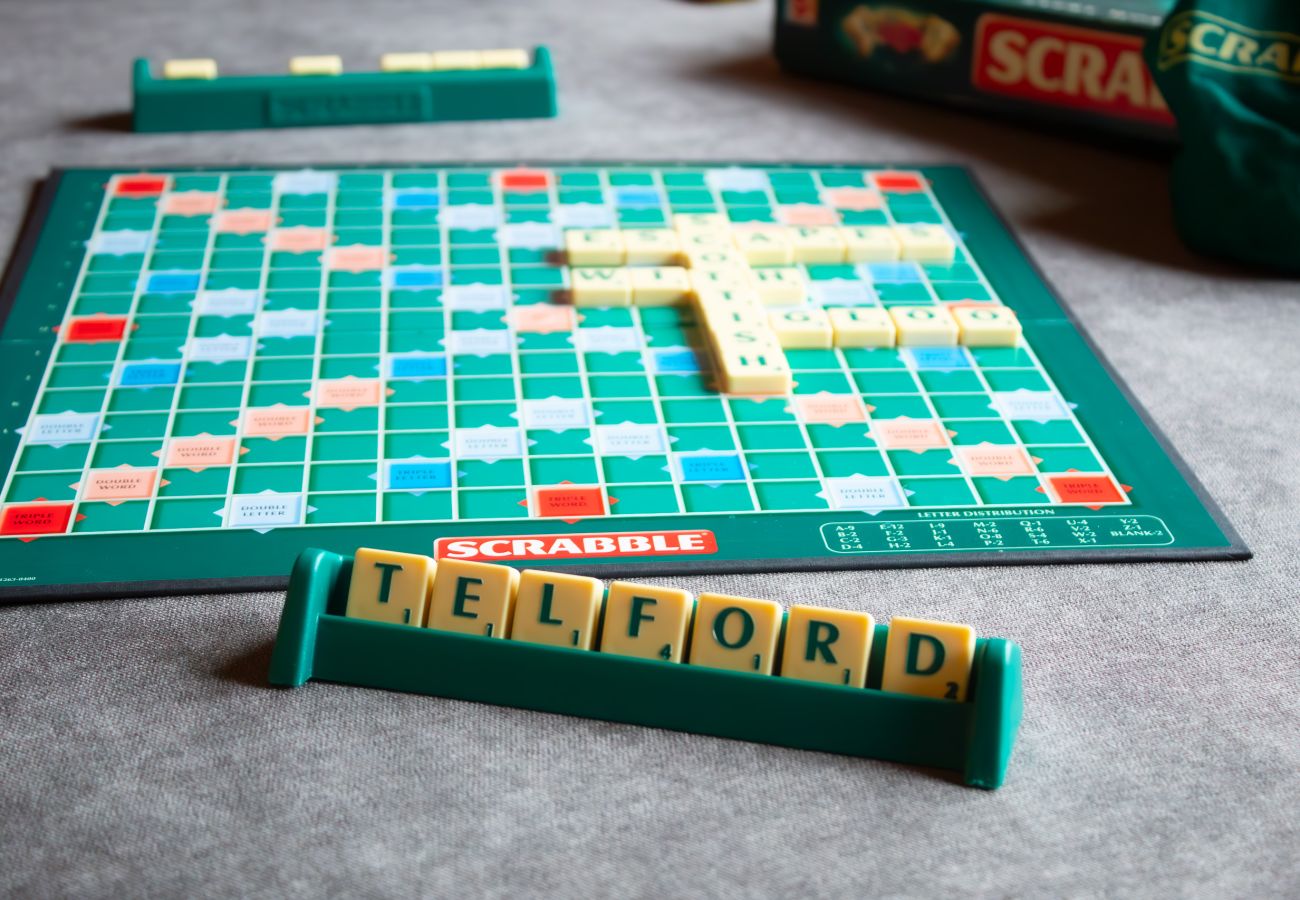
593, 545
1081, 68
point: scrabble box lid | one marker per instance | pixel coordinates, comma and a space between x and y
1039, 59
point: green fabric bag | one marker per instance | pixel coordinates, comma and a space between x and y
1230, 72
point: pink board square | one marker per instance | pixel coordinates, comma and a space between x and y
830, 409
202, 452
856, 199
276, 421
807, 214
190, 203
348, 393
909, 434
542, 318
243, 221
358, 258
121, 483
300, 240
996, 461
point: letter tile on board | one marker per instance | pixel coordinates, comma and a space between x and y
721, 279
928, 659
926, 243
764, 246
870, 243
827, 645
690, 222
817, 244
659, 285
863, 327
715, 257
737, 633
600, 286
473, 598
804, 328
764, 371
709, 299
780, 286
644, 621
556, 608
594, 247
924, 326
987, 325
651, 246
389, 587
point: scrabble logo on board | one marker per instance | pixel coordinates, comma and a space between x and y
577, 546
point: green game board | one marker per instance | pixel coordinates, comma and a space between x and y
207, 370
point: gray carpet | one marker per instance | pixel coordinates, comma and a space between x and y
142, 754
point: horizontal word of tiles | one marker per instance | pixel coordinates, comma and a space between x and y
921, 657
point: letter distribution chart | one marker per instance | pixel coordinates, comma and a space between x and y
619, 368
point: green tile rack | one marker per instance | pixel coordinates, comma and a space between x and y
974, 738
352, 98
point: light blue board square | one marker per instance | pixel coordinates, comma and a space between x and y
720, 467
418, 476
173, 282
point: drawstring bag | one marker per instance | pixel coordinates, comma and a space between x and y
1230, 72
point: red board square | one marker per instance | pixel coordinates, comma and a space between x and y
95, 328
36, 518
140, 186
1087, 489
897, 183
525, 180
566, 502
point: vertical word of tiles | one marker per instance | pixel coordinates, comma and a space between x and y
742, 634
266, 350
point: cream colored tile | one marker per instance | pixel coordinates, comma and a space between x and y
816, 244
780, 286
594, 247
764, 246
600, 286
737, 633
473, 598
924, 326
389, 587
870, 243
450, 60
316, 65
659, 285
190, 69
652, 247
644, 621
803, 328
928, 659
863, 327
557, 608
832, 646
925, 243
515, 58
987, 325
406, 62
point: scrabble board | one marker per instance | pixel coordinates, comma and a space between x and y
207, 370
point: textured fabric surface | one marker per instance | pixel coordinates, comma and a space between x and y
143, 755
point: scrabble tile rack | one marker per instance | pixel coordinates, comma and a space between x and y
974, 738
208, 369
351, 98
